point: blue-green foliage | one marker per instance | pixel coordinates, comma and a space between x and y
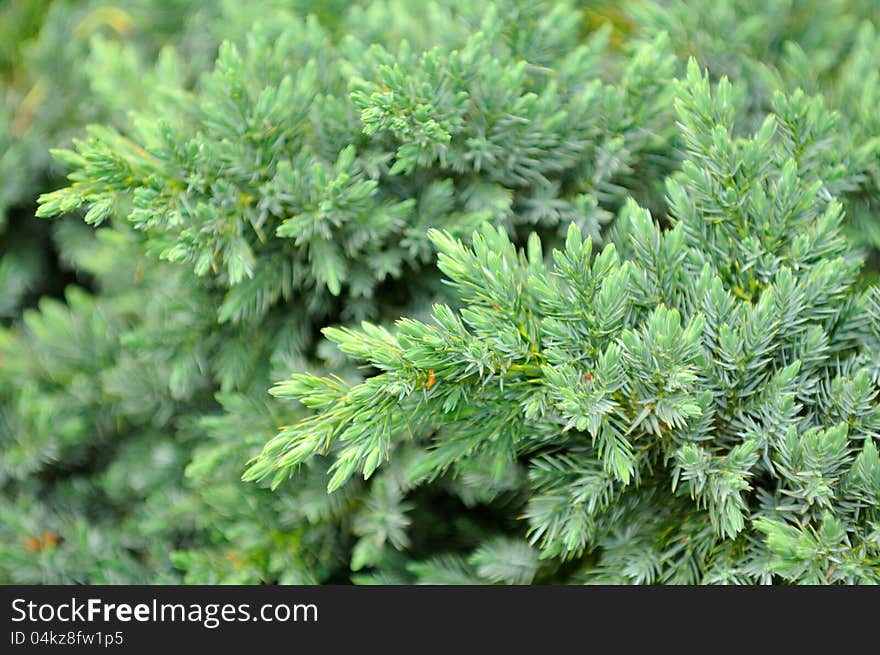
654, 357
726, 363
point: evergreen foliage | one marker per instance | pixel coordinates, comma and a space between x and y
727, 364
649, 349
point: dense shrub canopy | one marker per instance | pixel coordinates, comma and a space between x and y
634, 245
